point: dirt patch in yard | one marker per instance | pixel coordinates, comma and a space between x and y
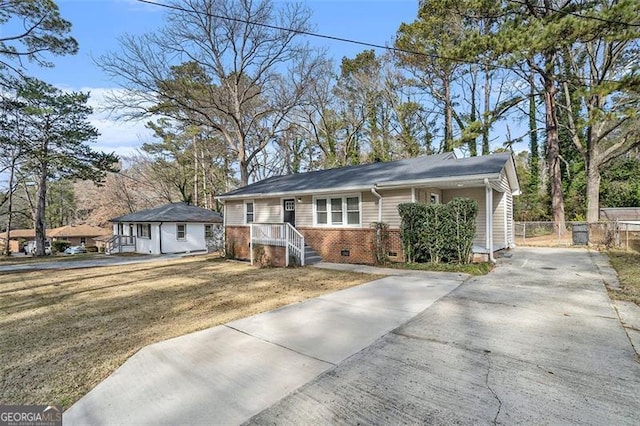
64, 331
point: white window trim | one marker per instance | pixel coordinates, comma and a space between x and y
185, 232
210, 225
437, 197
244, 212
295, 206
140, 234
344, 211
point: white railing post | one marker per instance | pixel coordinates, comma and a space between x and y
286, 232
251, 243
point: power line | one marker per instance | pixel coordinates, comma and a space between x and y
367, 44
323, 36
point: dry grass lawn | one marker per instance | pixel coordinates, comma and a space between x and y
627, 265
64, 331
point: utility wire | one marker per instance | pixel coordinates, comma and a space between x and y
323, 36
367, 44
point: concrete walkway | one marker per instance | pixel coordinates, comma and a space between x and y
226, 374
537, 341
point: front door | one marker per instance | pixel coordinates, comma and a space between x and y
289, 208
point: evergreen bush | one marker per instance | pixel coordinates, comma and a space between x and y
438, 232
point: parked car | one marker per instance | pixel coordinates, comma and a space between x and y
75, 250
30, 248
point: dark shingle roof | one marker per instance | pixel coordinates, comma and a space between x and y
367, 175
172, 212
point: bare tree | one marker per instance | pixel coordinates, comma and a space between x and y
245, 75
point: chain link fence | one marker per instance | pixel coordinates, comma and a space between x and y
605, 234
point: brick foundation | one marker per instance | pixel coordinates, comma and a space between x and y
332, 244
237, 242
349, 245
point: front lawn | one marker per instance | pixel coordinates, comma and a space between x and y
64, 331
472, 268
627, 265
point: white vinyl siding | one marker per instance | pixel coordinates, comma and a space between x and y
268, 210
499, 209
234, 213
502, 213
390, 201
304, 212
477, 194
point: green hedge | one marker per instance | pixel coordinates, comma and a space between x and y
439, 232
59, 246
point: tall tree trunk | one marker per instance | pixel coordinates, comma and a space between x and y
448, 116
486, 111
244, 171
41, 201
472, 143
593, 194
534, 162
553, 155
7, 248
196, 184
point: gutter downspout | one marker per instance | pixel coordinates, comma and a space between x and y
489, 218
160, 237
379, 197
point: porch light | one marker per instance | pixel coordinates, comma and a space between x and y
299, 199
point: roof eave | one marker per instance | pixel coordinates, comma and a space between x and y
385, 185
438, 180
292, 193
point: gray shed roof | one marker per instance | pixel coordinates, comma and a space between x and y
377, 174
172, 212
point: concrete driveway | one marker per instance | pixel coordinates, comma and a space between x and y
226, 374
535, 342
90, 262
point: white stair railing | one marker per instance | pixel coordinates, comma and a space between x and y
295, 244
277, 234
116, 243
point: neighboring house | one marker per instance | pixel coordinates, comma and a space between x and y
172, 228
16, 238
75, 234
333, 209
78, 235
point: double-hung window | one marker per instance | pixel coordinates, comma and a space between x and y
144, 230
248, 212
337, 211
208, 231
181, 231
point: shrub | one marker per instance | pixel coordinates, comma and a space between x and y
59, 246
438, 232
381, 242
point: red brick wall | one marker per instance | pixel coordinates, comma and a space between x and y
330, 242
237, 241
238, 238
266, 256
